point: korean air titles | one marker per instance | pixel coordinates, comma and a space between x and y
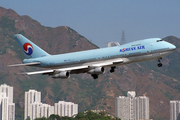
132, 48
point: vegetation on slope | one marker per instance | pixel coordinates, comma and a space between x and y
89, 115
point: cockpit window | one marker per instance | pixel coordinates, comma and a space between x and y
159, 40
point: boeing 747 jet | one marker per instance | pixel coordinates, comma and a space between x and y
93, 61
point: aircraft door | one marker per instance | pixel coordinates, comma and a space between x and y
77, 60
151, 43
126, 53
149, 48
98, 58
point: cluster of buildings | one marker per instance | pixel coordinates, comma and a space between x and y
126, 108
137, 108
34, 108
131, 107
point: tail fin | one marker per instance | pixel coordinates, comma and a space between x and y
29, 49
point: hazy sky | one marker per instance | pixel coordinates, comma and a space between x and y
102, 21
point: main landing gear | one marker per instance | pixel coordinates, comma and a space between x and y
112, 69
95, 76
159, 63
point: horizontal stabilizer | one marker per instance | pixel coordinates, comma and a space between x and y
26, 64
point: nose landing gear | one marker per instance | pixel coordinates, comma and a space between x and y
159, 63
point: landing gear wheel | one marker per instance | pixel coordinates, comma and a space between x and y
95, 76
112, 69
159, 64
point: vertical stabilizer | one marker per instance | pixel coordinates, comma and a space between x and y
29, 49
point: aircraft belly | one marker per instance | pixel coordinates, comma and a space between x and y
145, 57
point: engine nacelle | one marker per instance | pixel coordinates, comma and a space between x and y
97, 70
62, 75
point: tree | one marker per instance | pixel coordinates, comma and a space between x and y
42, 118
54, 117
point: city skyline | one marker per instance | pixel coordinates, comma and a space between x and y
130, 107
34, 108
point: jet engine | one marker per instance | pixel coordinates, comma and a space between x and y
62, 75
97, 70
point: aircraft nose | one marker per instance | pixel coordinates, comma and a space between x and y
172, 47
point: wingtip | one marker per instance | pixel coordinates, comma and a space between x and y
22, 73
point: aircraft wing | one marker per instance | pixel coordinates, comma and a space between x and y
54, 70
106, 62
85, 66
38, 72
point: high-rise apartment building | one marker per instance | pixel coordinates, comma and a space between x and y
47, 110
63, 108
41, 110
31, 97
174, 110
131, 107
7, 107
36, 110
11, 111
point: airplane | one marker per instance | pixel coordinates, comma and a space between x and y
93, 61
